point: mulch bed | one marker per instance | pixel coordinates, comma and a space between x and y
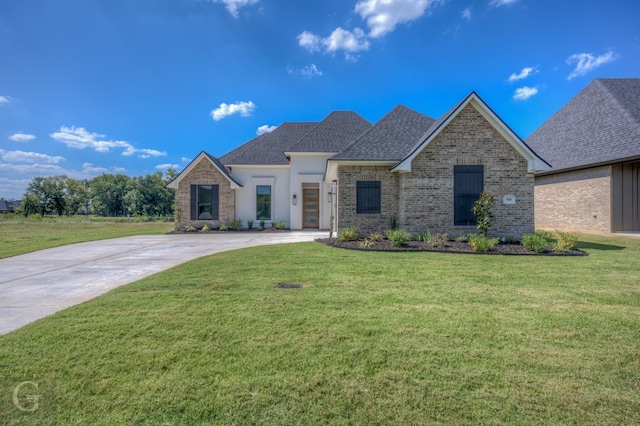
449, 247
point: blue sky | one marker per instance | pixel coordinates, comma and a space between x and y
134, 86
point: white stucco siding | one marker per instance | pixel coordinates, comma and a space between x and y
309, 168
252, 176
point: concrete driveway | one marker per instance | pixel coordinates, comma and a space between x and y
38, 284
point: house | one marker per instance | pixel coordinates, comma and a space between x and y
407, 169
9, 206
593, 146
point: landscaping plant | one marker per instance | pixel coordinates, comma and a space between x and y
482, 211
398, 237
481, 243
350, 233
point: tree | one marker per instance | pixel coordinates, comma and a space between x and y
50, 193
482, 211
77, 196
107, 194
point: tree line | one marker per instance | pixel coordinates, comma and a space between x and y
104, 195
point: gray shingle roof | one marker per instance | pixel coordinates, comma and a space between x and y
268, 148
600, 124
391, 138
333, 133
222, 168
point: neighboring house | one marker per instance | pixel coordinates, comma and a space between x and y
407, 168
593, 145
9, 206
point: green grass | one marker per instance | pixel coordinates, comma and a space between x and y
19, 235
371, 338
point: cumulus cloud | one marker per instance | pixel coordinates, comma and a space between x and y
233, 5
524, 93
34, 169
310, 41
185, 160
383, 16
4, 100
523, 74
80, 138
89, 168
224, 110
340, 39
307, 72
13, 188
586, 62
498, 3
466, 14
167, 166
21, 137
265, 129
29, 157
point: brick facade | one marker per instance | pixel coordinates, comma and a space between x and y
205, 173
424, 198
576, 201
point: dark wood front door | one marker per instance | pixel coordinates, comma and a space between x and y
310, 208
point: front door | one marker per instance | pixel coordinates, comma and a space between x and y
311, 207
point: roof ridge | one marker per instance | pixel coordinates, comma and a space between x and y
625, 113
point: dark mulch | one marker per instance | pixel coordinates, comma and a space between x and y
449, 247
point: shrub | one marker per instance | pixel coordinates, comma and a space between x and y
462, 238
424, 236
280, 224
349, 233
204, 229
191, 229
367, 243
398, 237
482, 211
535, 242
222, 227
236, 224
440, 240
565, 242
250, 224
261, 227
376, 237
482, 244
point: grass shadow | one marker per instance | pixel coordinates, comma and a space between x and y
595, 246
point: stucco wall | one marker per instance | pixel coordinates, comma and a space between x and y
204, 173
309, 168
577, 201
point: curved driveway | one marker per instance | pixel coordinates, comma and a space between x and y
38, 284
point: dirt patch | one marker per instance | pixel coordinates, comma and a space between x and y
449, 247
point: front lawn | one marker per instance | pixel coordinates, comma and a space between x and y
371, 338
19, 235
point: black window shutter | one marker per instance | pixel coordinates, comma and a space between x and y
194, 202
368, 197
467, 187
215, 202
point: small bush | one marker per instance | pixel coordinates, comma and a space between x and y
376, 237
440, 240
280, 224
367, 243
261, 226
236, 224
398, 237
565, 242
349, 233
424, 236
482, 211
250, 224
482, 244
462, 239
222, 227
191, 229
535, 242
204, 229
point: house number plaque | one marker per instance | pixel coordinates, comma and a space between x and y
508, 199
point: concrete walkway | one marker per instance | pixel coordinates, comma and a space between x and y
38, 284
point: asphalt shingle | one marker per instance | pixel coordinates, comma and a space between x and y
332, 134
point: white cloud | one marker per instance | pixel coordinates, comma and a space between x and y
29, 157
13, 188
307, 72
185, 160
340, 39
224, 110
523, 74
80, 138
586, 62
167, 166
89, 168
382, 16
233, 5
466, 14
4, 99
310, 41
119, 170
21, 137
32, 169
524, 93
498, 3
265, 129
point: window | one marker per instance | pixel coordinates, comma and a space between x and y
263, 202
467, 186
368, 197
204, 202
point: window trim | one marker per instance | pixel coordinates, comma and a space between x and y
258, 204
195, 202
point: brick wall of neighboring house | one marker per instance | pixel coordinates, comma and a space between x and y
427, 192
577, 201
204, 173
366, 223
